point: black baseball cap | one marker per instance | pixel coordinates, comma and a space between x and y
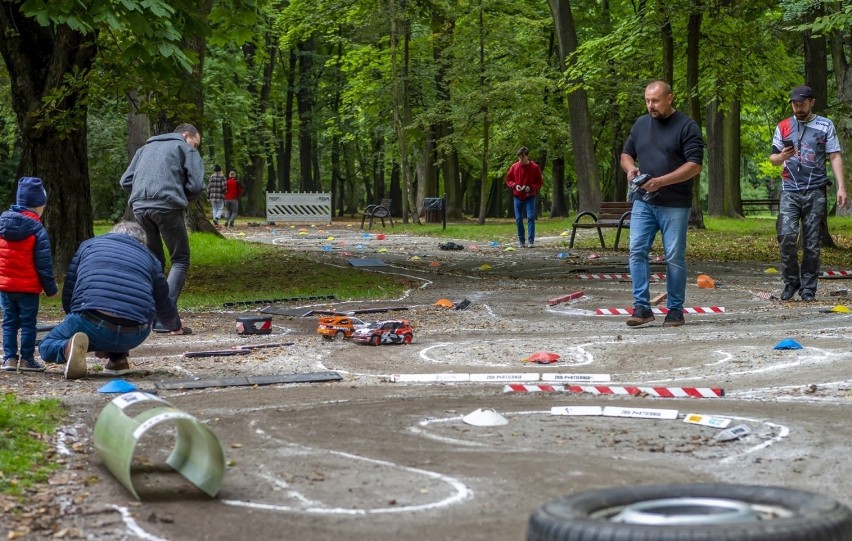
801, 93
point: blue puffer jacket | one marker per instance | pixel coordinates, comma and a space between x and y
115, 273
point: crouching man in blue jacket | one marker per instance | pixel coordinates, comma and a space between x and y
113, 291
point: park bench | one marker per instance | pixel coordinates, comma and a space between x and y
380, 211
612, 214
767, 203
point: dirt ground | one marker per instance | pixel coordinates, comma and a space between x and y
373, 458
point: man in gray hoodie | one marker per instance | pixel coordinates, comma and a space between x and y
163, 177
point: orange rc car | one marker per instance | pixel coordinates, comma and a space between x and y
339, 327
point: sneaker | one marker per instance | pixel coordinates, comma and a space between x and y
674, 318
10, 364
640, 316
30, 365
531, 245
789, 291
215, 221
808, 295
118, 367
75, 356
521, 245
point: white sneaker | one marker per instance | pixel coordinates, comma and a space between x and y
75, 356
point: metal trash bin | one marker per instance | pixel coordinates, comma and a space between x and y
434, 207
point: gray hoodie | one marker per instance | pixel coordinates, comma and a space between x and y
166, 173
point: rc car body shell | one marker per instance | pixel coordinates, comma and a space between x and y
396, 331
339, 326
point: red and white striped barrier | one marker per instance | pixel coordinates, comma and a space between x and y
521, 388
835, 274
653, 276
660, 392
661, 311
564, 298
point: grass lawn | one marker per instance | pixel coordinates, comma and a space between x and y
25, 431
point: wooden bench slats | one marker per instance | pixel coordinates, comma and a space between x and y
612, 214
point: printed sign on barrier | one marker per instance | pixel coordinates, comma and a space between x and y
298, 207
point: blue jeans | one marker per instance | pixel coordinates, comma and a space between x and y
645, 221
20, 311
525, 207
166, 225
52, 347
217, 205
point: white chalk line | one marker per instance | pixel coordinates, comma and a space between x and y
462, 493
132, 526
784, 432
581, 356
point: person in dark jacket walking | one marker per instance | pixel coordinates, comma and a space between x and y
26, 268
111, 302
163, 177
524, 179
216, 193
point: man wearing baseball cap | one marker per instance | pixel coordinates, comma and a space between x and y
801, 144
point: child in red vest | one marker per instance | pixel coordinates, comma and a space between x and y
26, 269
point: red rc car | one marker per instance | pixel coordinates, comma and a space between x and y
396, 331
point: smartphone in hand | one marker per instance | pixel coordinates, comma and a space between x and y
787, 143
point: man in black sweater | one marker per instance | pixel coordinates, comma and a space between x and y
668, 146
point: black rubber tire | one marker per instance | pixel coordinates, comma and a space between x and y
572, 518
339, 336
375, 340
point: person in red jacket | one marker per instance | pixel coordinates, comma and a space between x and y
233, 191
26, 269
524, 179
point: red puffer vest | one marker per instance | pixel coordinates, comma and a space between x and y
17, 263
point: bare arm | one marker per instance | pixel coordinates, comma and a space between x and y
628, 164
837, 166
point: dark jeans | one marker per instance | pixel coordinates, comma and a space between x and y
164, 225
20, 311
232, 207
52, 346
809, 209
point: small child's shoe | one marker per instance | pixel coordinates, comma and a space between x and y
10, 364
30, 365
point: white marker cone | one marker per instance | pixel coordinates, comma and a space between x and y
485, 417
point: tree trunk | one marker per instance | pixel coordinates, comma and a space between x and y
228, 145
305, 99
715, 161
841, 41
559, 207
401, 105
668, 51
284, 167
40, 60
731, 150
196, 218
258, 146
696, 216
583, 147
